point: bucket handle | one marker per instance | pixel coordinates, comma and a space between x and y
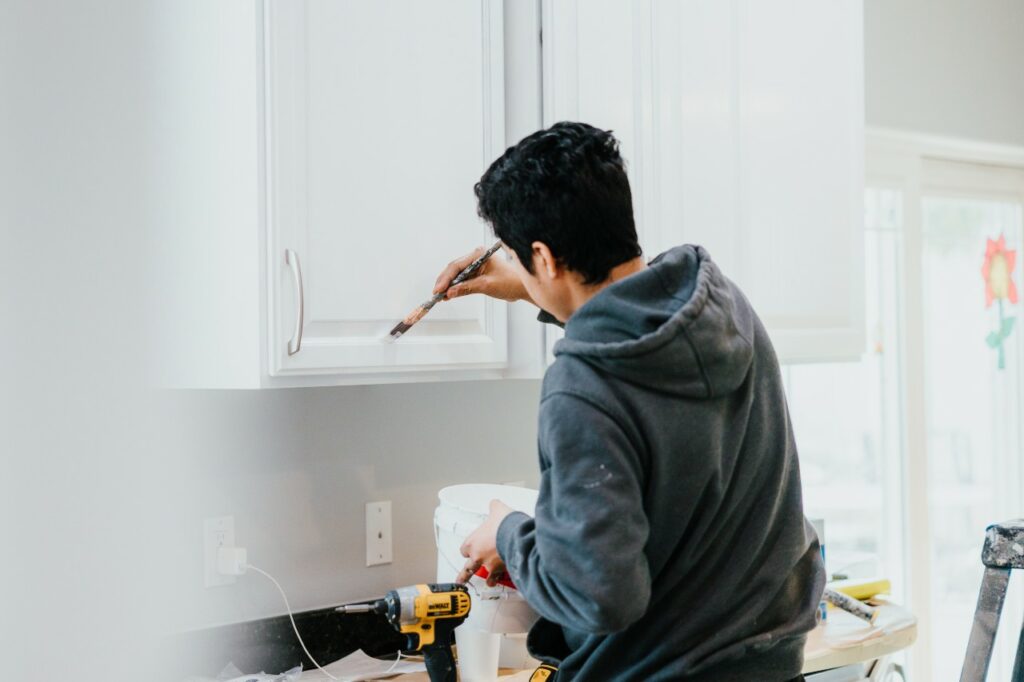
437, 543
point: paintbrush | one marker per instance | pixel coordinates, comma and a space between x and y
850, 605
421, 310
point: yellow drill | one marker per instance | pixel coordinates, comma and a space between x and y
427, 615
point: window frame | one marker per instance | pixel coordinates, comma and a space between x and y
919, 167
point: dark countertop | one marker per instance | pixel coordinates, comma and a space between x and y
269, 644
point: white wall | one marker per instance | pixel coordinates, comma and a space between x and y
948, 67
295, 468
79, 527
103, 483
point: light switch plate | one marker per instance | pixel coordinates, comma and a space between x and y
378, 533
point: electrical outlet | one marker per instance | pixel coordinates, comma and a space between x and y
378, 533
217, 532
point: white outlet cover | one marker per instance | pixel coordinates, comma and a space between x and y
217, 531
378, 533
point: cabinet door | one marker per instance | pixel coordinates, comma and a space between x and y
597, 69
742, 124
759, 114
801, 184
380, 118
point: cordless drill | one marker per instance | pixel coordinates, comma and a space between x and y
427, 615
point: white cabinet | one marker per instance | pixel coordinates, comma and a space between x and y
320, 158
742, 124
381, 116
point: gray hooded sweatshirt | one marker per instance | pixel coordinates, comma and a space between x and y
669, 541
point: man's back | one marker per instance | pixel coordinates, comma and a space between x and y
669, 541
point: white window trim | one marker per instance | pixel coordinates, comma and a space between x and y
895, 159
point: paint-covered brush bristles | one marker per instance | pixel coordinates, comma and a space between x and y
416, 315
399, 329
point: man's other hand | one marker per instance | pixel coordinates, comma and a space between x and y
481, 547
496, 278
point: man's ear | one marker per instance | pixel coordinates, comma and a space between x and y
545, 261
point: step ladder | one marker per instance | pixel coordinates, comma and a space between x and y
1003, 552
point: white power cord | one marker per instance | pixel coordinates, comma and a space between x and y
292, 619
233, 561
395, 664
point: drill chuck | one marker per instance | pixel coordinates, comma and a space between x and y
378, 606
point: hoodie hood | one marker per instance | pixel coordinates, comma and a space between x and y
679, 326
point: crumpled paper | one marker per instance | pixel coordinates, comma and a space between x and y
355, 667
358, 666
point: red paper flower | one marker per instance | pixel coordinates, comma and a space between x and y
998, 271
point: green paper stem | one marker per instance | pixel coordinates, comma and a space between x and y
1002, 337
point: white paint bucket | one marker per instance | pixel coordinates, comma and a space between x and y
495, 611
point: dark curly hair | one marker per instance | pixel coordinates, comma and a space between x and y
567, 188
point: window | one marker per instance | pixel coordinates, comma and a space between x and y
972, 390
846, 418
925, 428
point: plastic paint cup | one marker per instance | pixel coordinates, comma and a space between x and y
478, 654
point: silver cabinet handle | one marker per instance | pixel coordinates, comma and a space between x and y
292, 259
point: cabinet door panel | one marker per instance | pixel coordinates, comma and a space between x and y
742, 124
696, 118
597, 69
759, 137
381, 116
758, 122
801, 183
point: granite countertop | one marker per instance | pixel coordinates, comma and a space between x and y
270, 645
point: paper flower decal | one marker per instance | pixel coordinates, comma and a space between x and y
997, 270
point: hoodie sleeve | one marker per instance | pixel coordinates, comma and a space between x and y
581, 563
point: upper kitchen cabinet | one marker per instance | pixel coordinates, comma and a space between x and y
320, 159
380, 116
743, 132
316, 163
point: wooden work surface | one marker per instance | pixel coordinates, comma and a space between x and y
841, 640
844, 639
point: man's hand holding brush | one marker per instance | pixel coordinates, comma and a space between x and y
496, 278
476, 273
